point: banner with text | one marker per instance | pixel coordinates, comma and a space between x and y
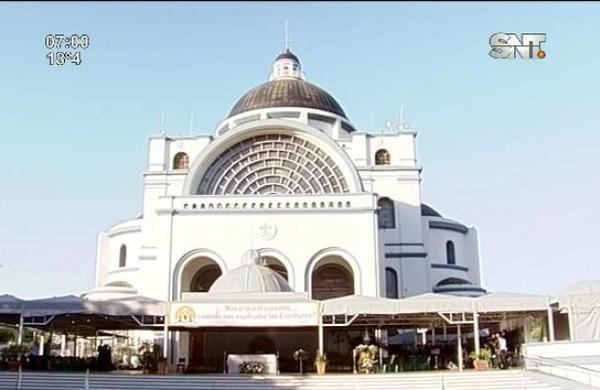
243, 314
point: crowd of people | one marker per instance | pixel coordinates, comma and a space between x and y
443, 354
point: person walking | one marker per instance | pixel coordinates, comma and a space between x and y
502, 350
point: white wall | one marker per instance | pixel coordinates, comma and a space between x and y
303, 236
560, 358
128, 234
302, 233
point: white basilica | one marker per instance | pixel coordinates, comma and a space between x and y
333, 210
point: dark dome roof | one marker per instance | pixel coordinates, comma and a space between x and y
427, 211
287, 54
287, 92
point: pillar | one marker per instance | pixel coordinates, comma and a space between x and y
476, 332
20, 330
63, 344
321, 336
572, 336
459, 349
550, 321
445, 332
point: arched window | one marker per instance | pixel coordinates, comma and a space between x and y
204, 278
123, 256
386, 213
450, 255
391, 283
181, 161
382, 157
332, 280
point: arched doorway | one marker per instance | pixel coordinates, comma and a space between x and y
276, 265
197, 276
332, 278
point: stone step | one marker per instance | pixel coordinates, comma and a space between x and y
491, 380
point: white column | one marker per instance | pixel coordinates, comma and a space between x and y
476, 331
166, 340
550, 320
20, 330
63, 342
320, 328
445, 332
459, 349
572, 335
433, 335
321, 337
41, 349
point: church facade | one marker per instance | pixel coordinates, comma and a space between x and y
333, 210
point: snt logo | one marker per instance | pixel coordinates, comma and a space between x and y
506, 46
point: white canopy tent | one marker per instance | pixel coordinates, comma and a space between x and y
359, 304
287, 309
581, 302
453, 310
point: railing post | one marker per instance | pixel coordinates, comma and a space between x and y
19, 378
442, 384
87, 379
523, 386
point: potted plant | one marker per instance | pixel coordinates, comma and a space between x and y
321, 363
12, 354
481, 360
300, 356
365, 356
152, 360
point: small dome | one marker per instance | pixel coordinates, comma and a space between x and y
428, 211
250, 278
287, 92
287, 55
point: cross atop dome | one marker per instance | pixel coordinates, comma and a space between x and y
286, 64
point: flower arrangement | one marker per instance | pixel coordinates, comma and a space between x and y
366, 357
321, 363
251, 368
300, 356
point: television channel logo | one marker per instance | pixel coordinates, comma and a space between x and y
506, 46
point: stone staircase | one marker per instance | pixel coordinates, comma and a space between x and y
468, 380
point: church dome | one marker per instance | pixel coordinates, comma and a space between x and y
287, 88
250, 278
287, 93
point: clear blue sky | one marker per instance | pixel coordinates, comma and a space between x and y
511, 147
